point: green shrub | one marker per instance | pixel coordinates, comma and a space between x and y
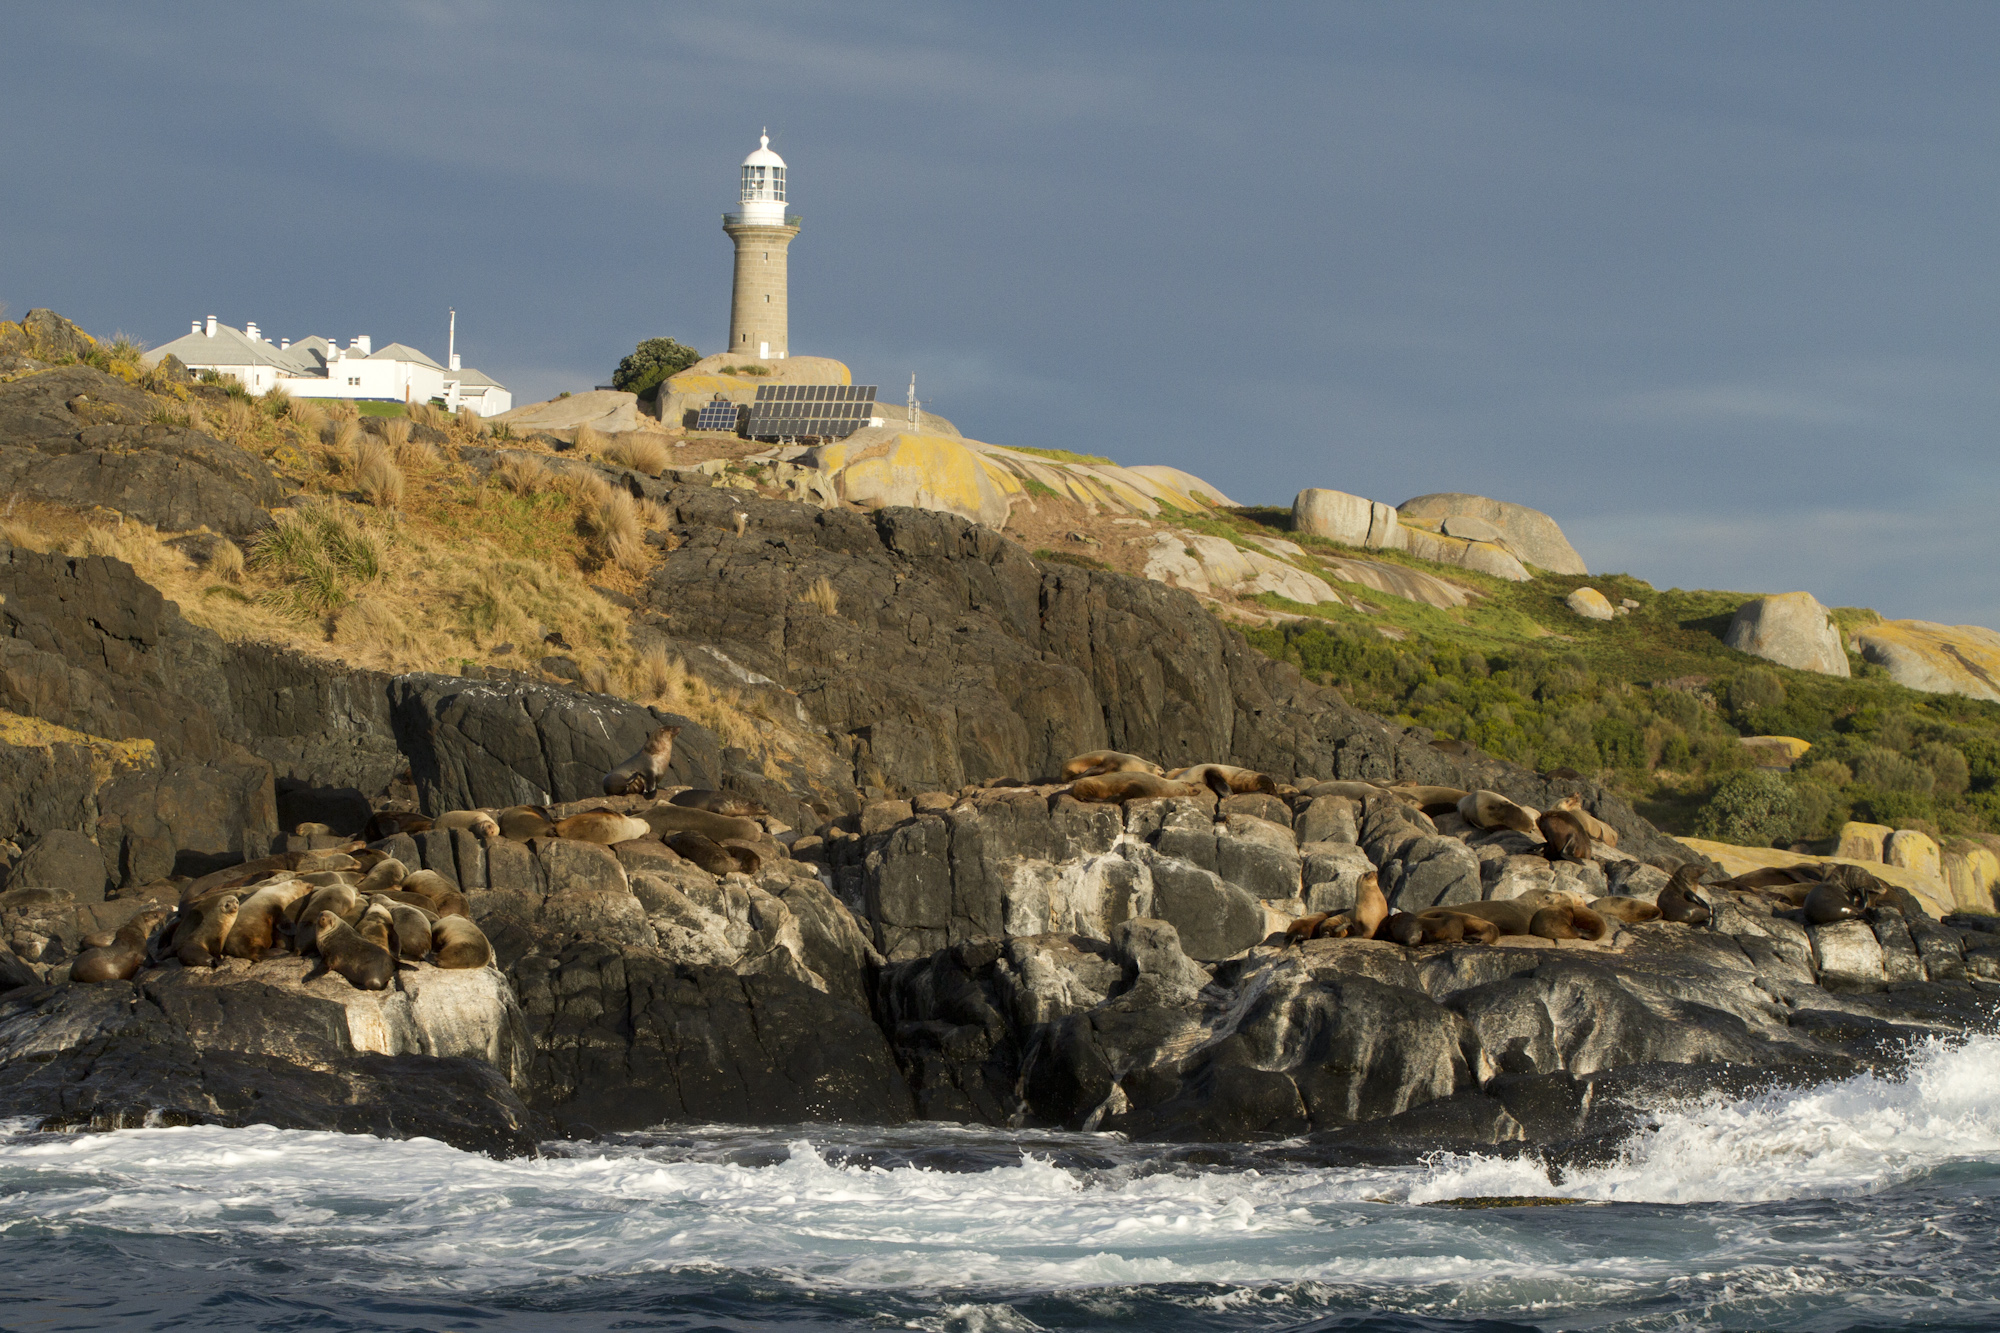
651, 362
1755, 809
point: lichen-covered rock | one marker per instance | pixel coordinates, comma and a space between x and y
1590, 604
1934, 658
1530, 534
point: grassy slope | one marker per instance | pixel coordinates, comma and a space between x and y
1651, 702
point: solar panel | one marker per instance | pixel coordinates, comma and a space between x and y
720, 414
822, 411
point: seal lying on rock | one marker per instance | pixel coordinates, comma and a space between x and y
603, 827
477, 821
388, 823
457, 943
365, 964
1629, 910
119, 957
261, 917
1094, 762
1110, 788
1828, 903
1600, 832
706, 853
1430, 800
640, 775
1225, 779
1679, 902
1485, 809
413, 929
1568, 921
386, 874
1445, 925
522, 822
717, 802
200, 928
666, 820
1563, 837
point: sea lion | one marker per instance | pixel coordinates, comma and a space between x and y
1232, 780
458, 943
1111, 788
1828, 903
1353, 791
1629, 910
377, 925
1569, 920
1093, 763
254, 933
1371, 907
413, 929
1403, 928
201, 928
1600, 832
365, 964
1430, 800
640, 775
388, 823
1485, 809
388, 873
522, 822
717, 802
339, 899
480, 822
748, 856
1448, 925
1563, 837
711, 856
1511, 915
665, 820
452, 903
1679, 902
1310, 927
120, 957
427, 884
603, 827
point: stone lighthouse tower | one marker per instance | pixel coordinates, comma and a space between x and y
762, 232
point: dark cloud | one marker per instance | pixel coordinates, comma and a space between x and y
1708, 282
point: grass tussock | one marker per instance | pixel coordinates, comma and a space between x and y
523, 474
377, 476
225, 562
429, 414
28, 537
822, 595
277, 401
238, 419
587, 440
472, 423
312, 557
343, 409
641, 453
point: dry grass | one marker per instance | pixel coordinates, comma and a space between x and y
409, 453
226, 561
343, 409
276, 400
822, 595
311, 557
24, 535
587, 441
308, 416
429, 414
523, 474
239, 418
472, 423
641, 453
376, 474
614, 530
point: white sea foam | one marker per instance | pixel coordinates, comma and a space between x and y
420, 1215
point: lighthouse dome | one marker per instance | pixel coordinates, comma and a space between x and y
763, 194
764, 157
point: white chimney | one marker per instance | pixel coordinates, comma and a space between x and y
284, 344
194, 327
454, 362
250, 330
211, 326
363, 342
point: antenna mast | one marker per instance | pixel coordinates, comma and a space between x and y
916, 405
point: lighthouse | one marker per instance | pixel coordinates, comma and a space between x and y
763, 233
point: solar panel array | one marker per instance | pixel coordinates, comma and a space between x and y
720, 414
828, 411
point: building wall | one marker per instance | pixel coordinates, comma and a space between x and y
758, 309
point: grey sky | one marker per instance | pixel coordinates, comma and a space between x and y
1710, 283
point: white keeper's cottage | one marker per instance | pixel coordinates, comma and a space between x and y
321, 368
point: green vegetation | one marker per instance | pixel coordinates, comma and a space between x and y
746, 370
314, 554
1650, 703
1059, 455
651, 362
1040, 488
1068, 558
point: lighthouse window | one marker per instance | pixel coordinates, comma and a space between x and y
778, 184
767, 300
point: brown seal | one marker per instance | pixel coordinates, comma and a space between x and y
1430, 800
1448, 925
386, 874
1092, 763
121, 957
1679, 901
377, 925
1403, 929
704, 852
666, 820
413, 928
201, 928
1564, 837
1353, 791
475, 821
1828, 903
1600, 832
603, 827
388, 823
1631, 911
1371, 907
717, 802
522, 822
339, 899
1226, 779
255, 930
640, 775
427, 884
1511, 915
1489, 810
1109, 788
1568, 921
1318, 926
365, 964
749, 856
457, 943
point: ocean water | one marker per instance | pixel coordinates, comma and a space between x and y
1866, 1204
